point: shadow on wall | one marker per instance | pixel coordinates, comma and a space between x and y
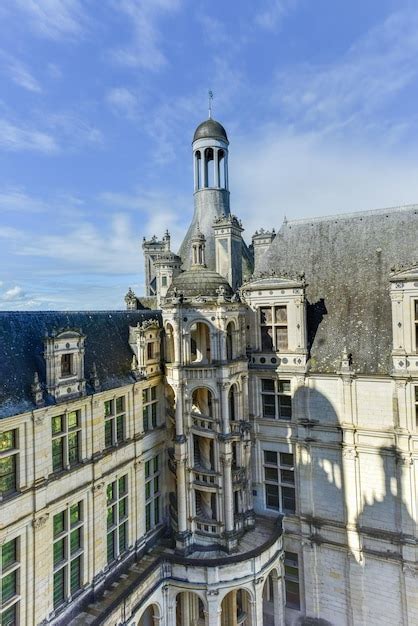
315, 312
350, 586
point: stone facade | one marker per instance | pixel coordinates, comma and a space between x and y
244, 455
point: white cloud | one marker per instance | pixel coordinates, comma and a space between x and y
273, 11
303, 175
145, 50
16, 139
14, 293
54, 19
123, 102
19, 73
73, 130
356, 87
14, 199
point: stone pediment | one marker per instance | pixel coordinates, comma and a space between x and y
405, 274
274, 282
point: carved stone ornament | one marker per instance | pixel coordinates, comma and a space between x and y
350, 453
98, 488
39, 522
39, 418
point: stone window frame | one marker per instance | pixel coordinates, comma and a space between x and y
11, 572
117, 508
275, 325
292, 579
62, 541
115, 421
152, 473
68, 359
11, 452
150, 408
65, 434
278, 394
280, 466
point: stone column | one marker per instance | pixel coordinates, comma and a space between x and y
224, 388
216, 167
278, 599
213, 611
257, 605
43, 565
228, 493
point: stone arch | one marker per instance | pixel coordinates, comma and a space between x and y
236, 607
200, 342
190, 608
169, 343
231, 348
151, 615
233, 402
273, 601
203, 401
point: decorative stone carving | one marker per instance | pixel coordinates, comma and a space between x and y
39, 522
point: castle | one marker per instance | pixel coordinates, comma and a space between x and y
239, 447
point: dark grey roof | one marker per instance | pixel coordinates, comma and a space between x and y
199, 281
22, 344
210, 129
347, 262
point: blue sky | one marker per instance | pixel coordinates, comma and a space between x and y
99, 100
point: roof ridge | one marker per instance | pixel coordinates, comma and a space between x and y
353, 214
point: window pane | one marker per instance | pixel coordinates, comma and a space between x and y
111, 546
72, 419
154, 414
59, 551
292, 594
287, 476
9, 616
73, 445
75, 574
148, 490
269, 406
75, 513
8, 474
123, 537
285, 407
281, 314
75, 540
156, 463
156, 485
110, 492
58, 453
111, 516
272, 496
286, 459
120, 404
266, 338
147, 469
59, 581
288, 497
267, 384
271, 473
108, 433
9, 586
284, 386
157, 510
57, 424
265, 315
123, 508
145, 396
148, 517
108, 408
120, 423
123, 483
281, 338
7, 440
8, 554
270, 457
153, 393
59, 523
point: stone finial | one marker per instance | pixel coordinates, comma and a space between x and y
346, 361
37, 392
130, 300
95, 378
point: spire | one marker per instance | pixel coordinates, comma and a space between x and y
198, 242
210, 98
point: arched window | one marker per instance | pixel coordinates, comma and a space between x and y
209, 168
230, 341
200, 343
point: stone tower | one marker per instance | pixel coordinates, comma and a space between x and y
211, 189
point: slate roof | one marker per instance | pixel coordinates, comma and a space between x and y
347, 262
21, 349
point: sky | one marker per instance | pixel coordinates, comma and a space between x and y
99, 100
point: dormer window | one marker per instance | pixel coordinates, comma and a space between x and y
273, 324
66, 365
150, 351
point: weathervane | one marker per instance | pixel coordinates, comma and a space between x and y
210, 98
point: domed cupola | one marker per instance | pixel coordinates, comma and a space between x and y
210, 129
